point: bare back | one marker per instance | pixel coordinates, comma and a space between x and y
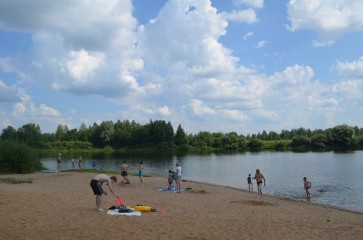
103, 178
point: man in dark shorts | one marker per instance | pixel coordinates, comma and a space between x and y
258, 176
124, 169
96, 185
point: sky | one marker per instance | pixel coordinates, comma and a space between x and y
209, 65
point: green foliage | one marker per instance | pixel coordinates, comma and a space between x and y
180, 137
255, 144
299, 141
342, 135
319, 141
14, 181
18, 158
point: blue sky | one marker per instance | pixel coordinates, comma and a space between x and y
209, 65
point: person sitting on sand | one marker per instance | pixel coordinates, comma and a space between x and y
170, 180
96, 185
249, 181
307, 186
258, 176
124, 169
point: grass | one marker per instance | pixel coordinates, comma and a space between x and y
14, 181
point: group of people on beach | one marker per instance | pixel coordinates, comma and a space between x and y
259, 177
97, 182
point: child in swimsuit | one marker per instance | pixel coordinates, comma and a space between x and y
249, 181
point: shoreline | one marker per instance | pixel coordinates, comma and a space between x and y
279, 197
62, 206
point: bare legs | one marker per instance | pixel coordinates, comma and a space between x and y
141, 180
98, 202
259, 190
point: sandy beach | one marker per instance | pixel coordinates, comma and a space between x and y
62, 206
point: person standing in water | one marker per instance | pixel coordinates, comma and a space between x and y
259, 177
249, 181
96, 185
307, 186
80, 162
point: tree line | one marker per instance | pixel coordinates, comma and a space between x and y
160, 134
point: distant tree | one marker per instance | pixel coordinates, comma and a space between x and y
8, 133
29, 134
342, 135
180, 137
106, 132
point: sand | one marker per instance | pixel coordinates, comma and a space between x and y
62, 206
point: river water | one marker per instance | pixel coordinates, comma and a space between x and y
336, 177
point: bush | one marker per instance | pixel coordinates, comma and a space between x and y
18, 158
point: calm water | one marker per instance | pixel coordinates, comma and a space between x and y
338, 174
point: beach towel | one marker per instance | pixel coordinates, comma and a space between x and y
48, 171
171, 191
115, 212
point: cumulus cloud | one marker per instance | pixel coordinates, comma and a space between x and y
330, 19
252, 3
79, 47
351, 69
248, 16
8, 94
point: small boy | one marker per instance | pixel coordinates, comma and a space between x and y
249, 181
307, 186
170, 180
94, 163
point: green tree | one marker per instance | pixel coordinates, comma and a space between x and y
342, 135
8, 133
107, 130
180, 137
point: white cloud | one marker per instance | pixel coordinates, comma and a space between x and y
248, 16
200, 109
252, 3
81, 64
8, 93
247, 35
330, 19
261, 44
164, 111
351, 69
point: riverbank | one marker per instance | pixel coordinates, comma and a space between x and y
62, 206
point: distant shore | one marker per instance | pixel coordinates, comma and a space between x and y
62, 206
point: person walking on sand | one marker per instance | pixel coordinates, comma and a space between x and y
249, 181
259, 177
307, 186
80, 162
178, 176
96, 185
59, 160
141, 172
124, 169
